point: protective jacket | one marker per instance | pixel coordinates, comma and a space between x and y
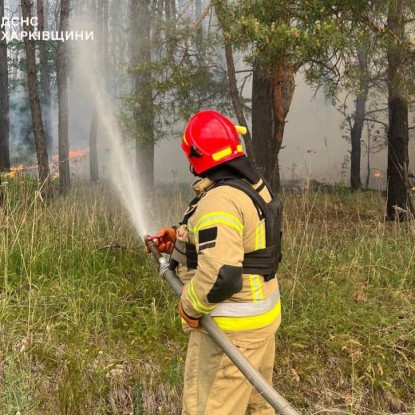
222, 227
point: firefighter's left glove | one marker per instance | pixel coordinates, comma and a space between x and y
192, 322
166, 239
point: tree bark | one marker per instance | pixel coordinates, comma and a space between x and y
263, 121
64, 170
45, 78
170, 9
399, 201
170, 24
4, 102
284, 86
359, 119
40, 142
143, 109
272, 95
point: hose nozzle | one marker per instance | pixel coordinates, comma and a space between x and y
151, 245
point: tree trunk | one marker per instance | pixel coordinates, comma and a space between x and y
64, 170
170, 25
170, 9
272, 95
263, 121
40, 142
356, 136
399, 203
359, 119
45, 78
4, 103
143, 108
284, 85
369, 139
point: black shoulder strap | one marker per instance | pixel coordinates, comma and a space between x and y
242, 185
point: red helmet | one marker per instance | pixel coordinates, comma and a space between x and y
211, 139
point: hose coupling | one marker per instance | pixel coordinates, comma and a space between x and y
164, 266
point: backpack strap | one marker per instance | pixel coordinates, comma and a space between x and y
263, 261
245, 187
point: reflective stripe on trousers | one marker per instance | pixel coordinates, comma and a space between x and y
246, 309
240, 320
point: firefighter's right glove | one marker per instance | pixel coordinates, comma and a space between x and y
166, 239
192, 322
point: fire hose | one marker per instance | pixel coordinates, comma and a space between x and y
278, 402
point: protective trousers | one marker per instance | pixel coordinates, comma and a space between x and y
213, 385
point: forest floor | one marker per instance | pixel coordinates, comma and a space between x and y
87, 327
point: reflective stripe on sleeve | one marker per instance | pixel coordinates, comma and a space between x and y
247, 309
217, 218
249, 323
196, 303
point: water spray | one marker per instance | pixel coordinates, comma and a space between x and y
278, 402
121, 169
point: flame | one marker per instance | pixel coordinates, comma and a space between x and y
14, 171
78, 153
10, 174
377, 174
73, 154
17, 168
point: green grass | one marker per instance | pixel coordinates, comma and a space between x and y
87, 327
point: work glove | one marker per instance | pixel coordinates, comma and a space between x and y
166, 239
192, 322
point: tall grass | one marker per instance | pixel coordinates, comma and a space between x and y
347, 344
87, 327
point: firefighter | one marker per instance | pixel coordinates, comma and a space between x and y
226, 252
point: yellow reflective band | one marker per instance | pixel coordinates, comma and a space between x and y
197, 305
217, 218
249, 323
256, 287
184, 139
255, 280
239, 148
221, 154
246, 309
260, 236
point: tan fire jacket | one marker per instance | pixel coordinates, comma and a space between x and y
223, 226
